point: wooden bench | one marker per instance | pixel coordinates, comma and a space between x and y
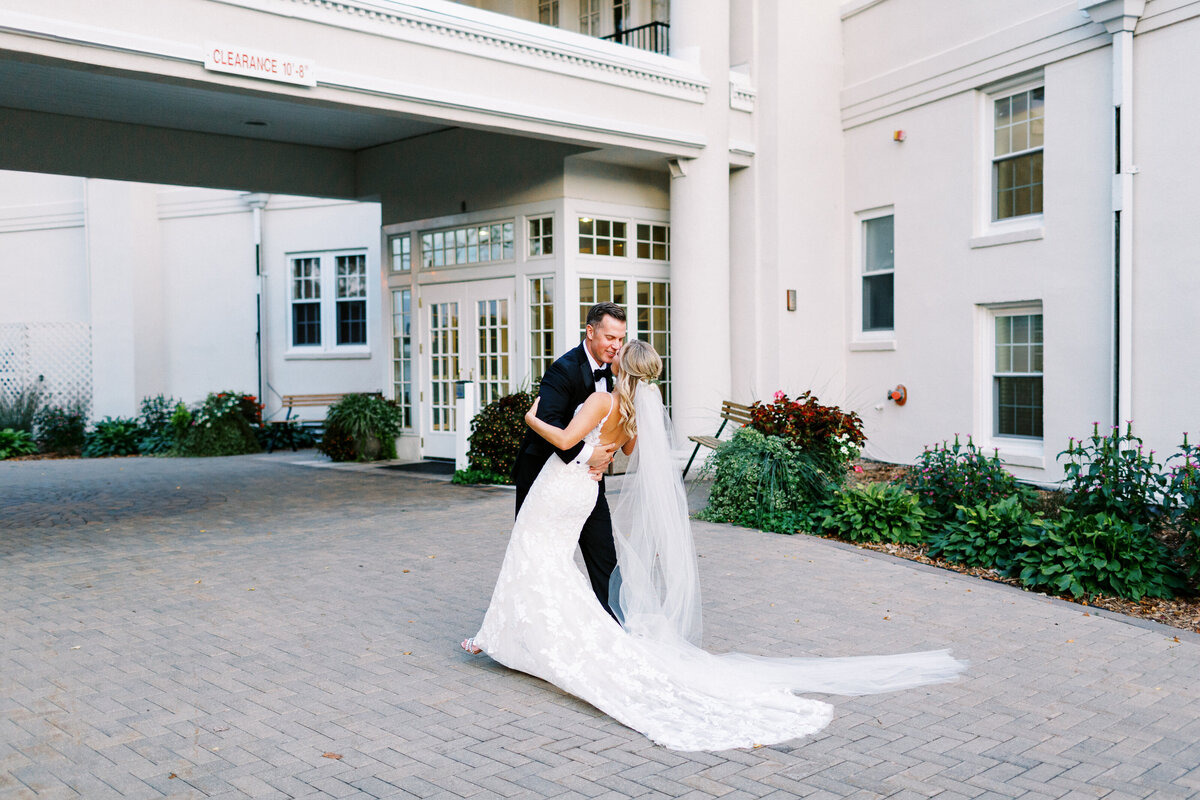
314, 426
730, 412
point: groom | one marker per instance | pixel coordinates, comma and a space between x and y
566, 384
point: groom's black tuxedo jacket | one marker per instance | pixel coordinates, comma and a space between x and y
565, 386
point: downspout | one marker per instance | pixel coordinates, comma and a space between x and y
257, 203
1120, 17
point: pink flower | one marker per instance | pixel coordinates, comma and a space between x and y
779, 395
857, 468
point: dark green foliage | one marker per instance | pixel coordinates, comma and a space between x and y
285, 433
16, 443
338, 444
18, 409
764, 482
113, 436
986, 536
950, 475
476, 476
367, 423
1083, 555
221, 426
1183, 485
876, 512
1114, 474
496, 433
158, 431
61, 429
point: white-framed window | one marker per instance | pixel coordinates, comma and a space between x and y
541, 236
653, 317
653, 241
401, 250
620, 15
1018, 134
589, 17
492, 333
1016, 373
541, 326
472, 244
878, 274
600, 290
603, 237
328, 301
548, 12
402, 374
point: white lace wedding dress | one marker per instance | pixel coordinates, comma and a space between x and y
544, 620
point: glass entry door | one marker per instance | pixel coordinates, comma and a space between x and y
467, 336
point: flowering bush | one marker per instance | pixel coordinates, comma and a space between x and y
158, 431
1114, 474
827, 433
61, 428
952, 475
220, 426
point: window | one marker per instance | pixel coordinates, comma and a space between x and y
493, 349
548, 12
879, 265
598, 290
329, 301
541, 326
541, 236
401, 253
402, 378
654, 326
1017, 375
477, 244
589, 17
1018, 128
352, 299
602, 237
654, 241
620, 15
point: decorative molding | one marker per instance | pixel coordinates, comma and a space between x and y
868, 345
43, 217
1114, 15
452, 26
1007, 237
741, 98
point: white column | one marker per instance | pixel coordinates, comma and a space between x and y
700, 279
128, 351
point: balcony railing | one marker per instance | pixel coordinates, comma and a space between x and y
653, 37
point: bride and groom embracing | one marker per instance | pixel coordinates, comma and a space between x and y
626, 637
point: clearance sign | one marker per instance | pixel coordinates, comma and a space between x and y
254, 63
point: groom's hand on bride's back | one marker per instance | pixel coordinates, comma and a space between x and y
602, 455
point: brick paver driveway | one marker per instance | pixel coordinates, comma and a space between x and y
250, 627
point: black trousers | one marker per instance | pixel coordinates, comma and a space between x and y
596, 538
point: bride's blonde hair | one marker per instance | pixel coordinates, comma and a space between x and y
639, 362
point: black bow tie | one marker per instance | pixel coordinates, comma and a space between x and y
604, 372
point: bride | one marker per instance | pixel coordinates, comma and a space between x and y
648, 671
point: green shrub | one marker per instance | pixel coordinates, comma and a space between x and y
61, 429
18, 409
370, 424
986, 536
876, 512
1183, 485
158, 429
1084, 555
221, 426
764, 482
832, 437
1114, 474
16, 443
113, 436
496, 433
950, 475
476, 476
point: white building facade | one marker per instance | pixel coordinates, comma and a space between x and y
982, 203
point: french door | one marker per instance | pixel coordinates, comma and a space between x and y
467, 330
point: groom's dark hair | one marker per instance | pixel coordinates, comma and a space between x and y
602, 310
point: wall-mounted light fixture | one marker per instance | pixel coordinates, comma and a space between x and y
899, 395
791, 299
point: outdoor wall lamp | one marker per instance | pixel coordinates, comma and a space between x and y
899, 395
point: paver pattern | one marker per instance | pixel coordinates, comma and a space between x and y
253, 627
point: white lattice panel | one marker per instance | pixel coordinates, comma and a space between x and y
57, 356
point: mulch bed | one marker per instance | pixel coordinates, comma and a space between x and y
1179, 613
